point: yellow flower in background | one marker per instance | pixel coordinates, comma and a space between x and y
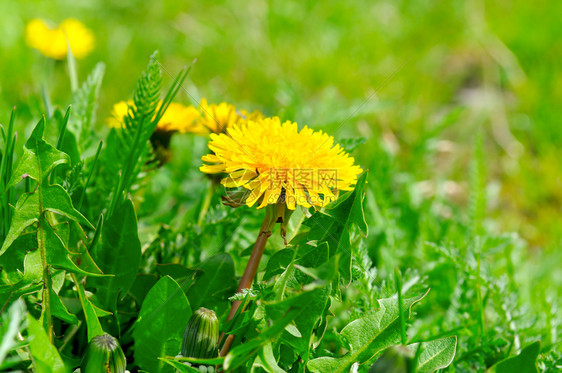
254, 115
180, 118
177, 118
118, 112
217, 118
53, 42
276, 162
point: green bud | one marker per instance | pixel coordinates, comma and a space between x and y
103, 354
201, 337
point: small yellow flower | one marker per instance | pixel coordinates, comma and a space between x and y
217, 118
177, 118
276, 162
54, 42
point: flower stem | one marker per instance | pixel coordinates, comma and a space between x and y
206, 202
252, 267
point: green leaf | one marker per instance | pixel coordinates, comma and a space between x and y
306, 322
84, 105
25, 215
57, 255
42, 208
437, 354
12, 262
282, 313
139, 124
142, 285
46, 358
333, 225
118, 254
10, 327
215, 282
525, 362
39, 157
57, 200
159, 329
90, 312
278, 263
266, 360
59, 310
367, 336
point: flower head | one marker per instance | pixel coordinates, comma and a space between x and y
276, 162
176, 118
217, 118
54, 42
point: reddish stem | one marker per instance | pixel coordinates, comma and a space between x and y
251, 269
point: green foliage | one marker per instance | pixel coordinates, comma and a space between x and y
434, 355
46, 358
367, 336
214, 284
160, 325
151, 263
84, 106
6, 159
525, 362
12, 322
335, 224
118, 253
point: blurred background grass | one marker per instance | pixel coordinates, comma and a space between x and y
418, 79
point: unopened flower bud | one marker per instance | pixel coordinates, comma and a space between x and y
103, 354
201, 337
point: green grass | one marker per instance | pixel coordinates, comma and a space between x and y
454, 109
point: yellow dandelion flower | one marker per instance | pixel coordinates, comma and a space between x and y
118, 113
217, 118
53, 42
177, 118
180, 118
276, 162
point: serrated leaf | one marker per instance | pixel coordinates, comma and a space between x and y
282, 313
306, 322
59, 310
159, 329
39, 157
367, 336
29, 209
57, 200
57, 255
333, 225
25, 215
